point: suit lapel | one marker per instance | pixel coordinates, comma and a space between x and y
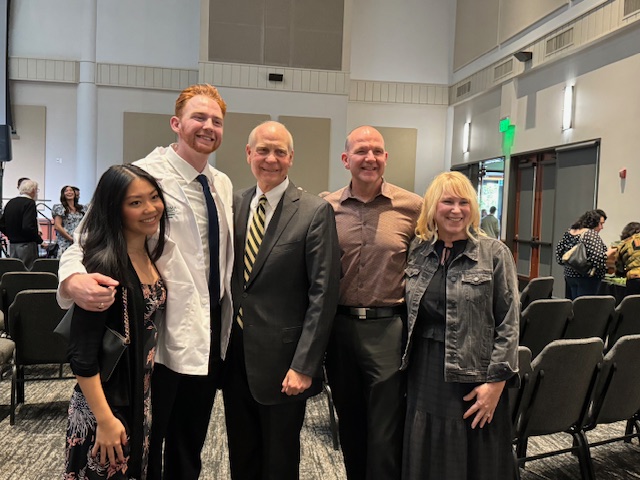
286, 209
241, 217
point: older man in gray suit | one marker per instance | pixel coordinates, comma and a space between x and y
285, 291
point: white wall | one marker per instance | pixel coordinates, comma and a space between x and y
159, 33
607, 107
46, 29
60, 103
402, 41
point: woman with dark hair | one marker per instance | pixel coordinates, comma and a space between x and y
463, 315
628, 258
586, 230
66, 217
122, 237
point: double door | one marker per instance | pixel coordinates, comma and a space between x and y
552, 189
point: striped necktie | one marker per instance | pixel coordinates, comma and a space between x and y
254, 239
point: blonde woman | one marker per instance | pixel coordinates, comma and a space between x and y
463, 316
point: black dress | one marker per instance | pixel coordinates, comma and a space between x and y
439, 443
81, 429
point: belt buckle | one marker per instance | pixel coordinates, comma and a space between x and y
360, 312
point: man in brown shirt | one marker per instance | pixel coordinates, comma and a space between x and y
376, 223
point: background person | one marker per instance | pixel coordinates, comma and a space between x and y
285, 291
376, 223
462, 295
66, 217
490, 224
628, 257
195, 330
109, 423
19, 222
586, 230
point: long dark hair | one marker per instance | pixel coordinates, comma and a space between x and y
63, 200
105, 248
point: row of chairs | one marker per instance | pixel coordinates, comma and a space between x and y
32, 316
571, 387
39, 265
593, 316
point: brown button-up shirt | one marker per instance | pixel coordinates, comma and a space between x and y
374, 239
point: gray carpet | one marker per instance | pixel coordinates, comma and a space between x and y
33, 448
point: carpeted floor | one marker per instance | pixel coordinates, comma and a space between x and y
33, 448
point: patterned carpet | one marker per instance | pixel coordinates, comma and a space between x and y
33, 448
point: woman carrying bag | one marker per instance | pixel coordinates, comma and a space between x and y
110, 411
584, 230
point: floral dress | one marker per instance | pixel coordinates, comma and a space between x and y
81, 430
70, 222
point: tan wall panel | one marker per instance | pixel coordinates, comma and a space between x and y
400, 144
312, 152
476, 30
29, 151
516, 16
231, 157
142, 133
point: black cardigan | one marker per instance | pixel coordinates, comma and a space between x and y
125, 388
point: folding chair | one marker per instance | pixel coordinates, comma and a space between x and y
537, 289
542, 322
591, 317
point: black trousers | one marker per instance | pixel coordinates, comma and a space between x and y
264, 440
369, 392
181, 408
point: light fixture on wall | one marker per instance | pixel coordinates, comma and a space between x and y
567, 108
466, 133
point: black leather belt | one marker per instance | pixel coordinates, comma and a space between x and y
371, 312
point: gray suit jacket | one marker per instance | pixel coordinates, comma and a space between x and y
291, 296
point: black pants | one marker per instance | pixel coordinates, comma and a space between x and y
264, 440
363, 361
181, 408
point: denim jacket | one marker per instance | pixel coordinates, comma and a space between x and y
482, 309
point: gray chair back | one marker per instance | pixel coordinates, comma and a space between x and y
32, 317
14, 282
617, 394
561, 381
591, 317
557, 396
11, 265
626, 320
542, 322
50, 265
537, 289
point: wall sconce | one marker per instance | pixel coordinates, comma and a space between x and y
567, 109
466, 132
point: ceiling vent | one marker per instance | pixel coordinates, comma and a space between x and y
631, 6
560, 41
503, 69
463, 89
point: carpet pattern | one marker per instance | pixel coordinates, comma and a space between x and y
33, 449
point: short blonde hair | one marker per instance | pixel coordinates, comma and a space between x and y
452, 183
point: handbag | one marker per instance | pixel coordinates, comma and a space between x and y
114, 344
576, 258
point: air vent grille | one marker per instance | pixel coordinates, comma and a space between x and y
503, 69
463, 89
560, 41
631, 6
